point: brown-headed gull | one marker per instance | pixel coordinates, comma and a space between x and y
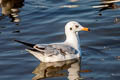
69, 49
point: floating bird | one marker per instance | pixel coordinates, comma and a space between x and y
69, 49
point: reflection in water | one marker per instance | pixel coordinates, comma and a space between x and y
72, 5
117, 20
73, 0
108, 4
11, 8
69, 6
58, 69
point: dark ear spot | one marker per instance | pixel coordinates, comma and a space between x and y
70, 28
76, 26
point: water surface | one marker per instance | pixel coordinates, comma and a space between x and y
42, 21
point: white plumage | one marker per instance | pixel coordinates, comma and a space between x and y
69, 49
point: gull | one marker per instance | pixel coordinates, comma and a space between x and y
69, 49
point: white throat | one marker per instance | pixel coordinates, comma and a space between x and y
72, 39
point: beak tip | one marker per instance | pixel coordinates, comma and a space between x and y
89, 30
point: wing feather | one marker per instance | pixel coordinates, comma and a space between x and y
55, 49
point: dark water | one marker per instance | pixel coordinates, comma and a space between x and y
42, 21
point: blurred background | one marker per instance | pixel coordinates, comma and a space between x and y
43, 21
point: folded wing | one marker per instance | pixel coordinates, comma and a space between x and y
55, 49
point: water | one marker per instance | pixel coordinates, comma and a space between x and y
69, 68
42, 21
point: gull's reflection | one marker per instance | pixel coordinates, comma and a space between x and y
69, 68
108, 4
11, 8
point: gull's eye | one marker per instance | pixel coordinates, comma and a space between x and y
76, 26
70, 28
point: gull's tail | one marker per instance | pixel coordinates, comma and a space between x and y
25, 43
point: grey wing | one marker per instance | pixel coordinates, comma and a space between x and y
55, 49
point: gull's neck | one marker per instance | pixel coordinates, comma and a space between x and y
73, 40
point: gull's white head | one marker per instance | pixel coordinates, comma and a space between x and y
74, 27
71, 30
